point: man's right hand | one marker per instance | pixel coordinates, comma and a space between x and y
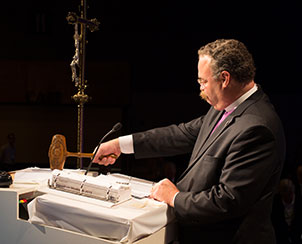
104, 155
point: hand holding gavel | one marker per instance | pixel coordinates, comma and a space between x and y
58, 153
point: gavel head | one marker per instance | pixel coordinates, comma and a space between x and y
57, 152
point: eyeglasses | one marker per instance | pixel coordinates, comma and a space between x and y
202, 82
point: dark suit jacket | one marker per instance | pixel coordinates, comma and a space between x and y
227, 189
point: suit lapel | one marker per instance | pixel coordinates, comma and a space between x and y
208, 125
205, 138
211, 120
210, 139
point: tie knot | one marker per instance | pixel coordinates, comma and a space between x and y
225, 114
230, 111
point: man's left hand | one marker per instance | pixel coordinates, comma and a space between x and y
164, 191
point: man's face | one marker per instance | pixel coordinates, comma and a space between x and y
210, 89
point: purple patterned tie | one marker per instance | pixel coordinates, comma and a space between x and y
222, 119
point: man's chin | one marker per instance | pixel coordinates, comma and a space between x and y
204, 96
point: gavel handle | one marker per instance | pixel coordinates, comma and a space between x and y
88, 155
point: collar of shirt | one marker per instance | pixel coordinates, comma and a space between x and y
241, 99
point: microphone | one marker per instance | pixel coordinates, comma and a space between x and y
115, 128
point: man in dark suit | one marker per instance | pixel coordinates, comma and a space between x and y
237, 153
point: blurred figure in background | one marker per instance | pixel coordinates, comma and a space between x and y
8, 153
287, 214
299, 177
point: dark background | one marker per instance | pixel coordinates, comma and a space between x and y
141, 68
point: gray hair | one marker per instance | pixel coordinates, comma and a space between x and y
232, 56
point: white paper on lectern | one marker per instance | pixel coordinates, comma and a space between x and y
35, 175
32, 176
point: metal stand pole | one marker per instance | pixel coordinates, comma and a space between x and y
78, 67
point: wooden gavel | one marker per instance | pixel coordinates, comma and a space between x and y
58, 153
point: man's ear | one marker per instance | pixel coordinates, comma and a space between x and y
225, 78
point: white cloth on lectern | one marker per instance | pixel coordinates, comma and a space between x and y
126, 222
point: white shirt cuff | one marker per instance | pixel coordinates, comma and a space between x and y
126, 144
174, 198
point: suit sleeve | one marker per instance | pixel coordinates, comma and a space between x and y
247, 176
167, 141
